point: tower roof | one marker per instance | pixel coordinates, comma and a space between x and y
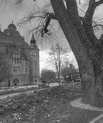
12, 26
33, 41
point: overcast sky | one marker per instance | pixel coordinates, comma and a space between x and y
16, 13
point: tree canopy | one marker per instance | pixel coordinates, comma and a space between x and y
48, 76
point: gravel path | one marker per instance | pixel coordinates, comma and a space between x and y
14, 94
24, 92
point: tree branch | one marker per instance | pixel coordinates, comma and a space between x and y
98, 3
81, 10
87, 23
96, 25
52, 16
47, 22
77, 21
82, 18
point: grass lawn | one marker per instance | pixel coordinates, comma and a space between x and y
46, 106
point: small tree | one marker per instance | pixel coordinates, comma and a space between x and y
57, 55
48, 76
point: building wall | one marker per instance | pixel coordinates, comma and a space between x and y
20, 71
34, 66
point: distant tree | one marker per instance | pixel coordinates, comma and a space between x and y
68, 73
48, 76
57, 56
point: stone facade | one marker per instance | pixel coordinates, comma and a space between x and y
22, 58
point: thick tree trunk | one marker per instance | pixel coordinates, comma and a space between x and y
86, 58
92, 93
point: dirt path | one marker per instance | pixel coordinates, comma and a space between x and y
14, 94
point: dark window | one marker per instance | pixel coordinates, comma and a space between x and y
17, 61
20, 61
15, 69
26, 70
26, 62
35, 63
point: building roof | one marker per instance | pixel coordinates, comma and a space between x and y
33, 41
11, 36
12, 26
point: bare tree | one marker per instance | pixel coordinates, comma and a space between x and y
57, 56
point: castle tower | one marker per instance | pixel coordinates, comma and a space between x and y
34, 67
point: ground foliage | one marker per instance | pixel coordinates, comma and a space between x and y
46, 106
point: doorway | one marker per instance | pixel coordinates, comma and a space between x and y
15, 82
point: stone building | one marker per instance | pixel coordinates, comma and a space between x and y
22, 58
